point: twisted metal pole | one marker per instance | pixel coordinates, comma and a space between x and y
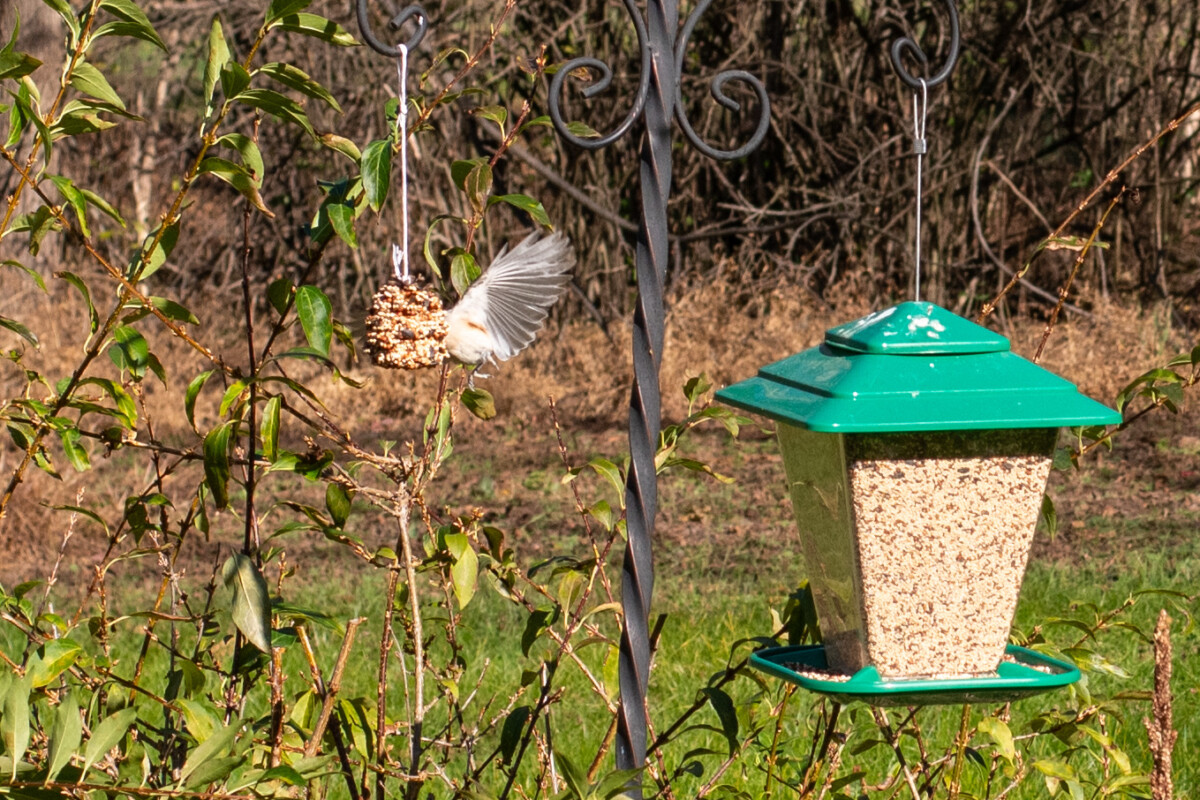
658, 101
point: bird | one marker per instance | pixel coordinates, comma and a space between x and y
501, 313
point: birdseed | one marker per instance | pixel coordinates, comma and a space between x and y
406, 328
818, 674
943, 526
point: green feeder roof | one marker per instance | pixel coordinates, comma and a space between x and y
914, 367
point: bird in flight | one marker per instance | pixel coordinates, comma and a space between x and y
502, 312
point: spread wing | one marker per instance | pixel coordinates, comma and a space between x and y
514, 295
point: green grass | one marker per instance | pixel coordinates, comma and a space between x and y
707, 617
711, 613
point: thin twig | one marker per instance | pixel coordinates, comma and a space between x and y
1065, 289
1109, 179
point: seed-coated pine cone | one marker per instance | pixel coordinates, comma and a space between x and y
406, 328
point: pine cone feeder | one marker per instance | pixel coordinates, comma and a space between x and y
406, 327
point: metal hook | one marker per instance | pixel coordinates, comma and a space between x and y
906, 45
396, 22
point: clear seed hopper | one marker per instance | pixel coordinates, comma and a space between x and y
917, 448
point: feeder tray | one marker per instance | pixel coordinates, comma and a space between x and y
1025, 673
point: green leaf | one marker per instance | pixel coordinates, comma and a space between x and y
342, 145
1055, 769
201, 723
318, 27
316, 316
19, 329
1089, 661
251, 602
278, 106
998, 731
512, 731
237, 177
478, 185
102, 204
236, 393
377, 172
463, 271
90, 81
609, 471
216, 463
270, 428
150, 262
497, 114
281, 8
38, 224
30, 115
32, 273
696, 387
14, 722
105, 736
75, 198
218, 56
459, 170
574, 777
337, 501
538, 621
541, 121
324, 620
279, 293
1049, 516
611, 672
130, 13
64, 10
76, 455
298, 79
130, 351
602, 512
341, 217
251, 156
465, 570
208, 751
214, 770
16, 65
479, 402
582, 130
53, 659
79, 118
65, 736
174, 311
189, 401
26, 439
615, 784
526, 203
723, 705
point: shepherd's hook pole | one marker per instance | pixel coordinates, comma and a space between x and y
657, 102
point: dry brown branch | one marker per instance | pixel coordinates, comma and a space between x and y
1162, 728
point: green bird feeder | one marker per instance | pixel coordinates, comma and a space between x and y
917, 448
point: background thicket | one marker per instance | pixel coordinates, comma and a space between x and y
1048, 97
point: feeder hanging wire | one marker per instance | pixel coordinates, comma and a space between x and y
921, 86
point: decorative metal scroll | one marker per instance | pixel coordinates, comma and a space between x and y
413, 11
906, 45
658, 100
